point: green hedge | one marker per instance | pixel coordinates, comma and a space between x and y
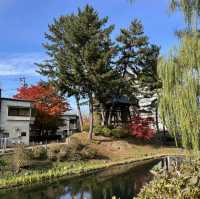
104, 131
108, 132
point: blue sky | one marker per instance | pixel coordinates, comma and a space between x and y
23, 23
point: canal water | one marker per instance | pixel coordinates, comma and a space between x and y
123, 182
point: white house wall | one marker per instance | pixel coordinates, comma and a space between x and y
15, 125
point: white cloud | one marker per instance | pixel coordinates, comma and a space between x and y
20, 64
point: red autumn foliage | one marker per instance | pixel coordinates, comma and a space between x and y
142, 127
45, 99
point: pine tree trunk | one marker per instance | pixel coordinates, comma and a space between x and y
91, 116
102, 118
79, 112
110, 116
164, 130
106, 117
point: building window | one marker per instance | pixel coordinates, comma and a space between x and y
72, 124
18, 111
23, 134
33, 112
4, 135
72, 121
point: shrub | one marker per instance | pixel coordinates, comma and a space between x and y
142, 127
39, 153
21, 158
88, 153
75, 144
106, 132
120, 132
98, 130
54, 148
2, 164
86, 123
53, 151
57, 152
101, 130
183, 183
51, 156
73, 149
62, 155
111, 126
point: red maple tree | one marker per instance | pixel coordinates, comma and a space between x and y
44, 97
47, 103
142, 127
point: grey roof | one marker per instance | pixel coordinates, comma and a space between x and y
13, 99
70, 113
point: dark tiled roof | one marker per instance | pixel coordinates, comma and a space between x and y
119, 100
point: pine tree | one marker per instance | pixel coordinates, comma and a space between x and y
80, 51
138, 61
137, 56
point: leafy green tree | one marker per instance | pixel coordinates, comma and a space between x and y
190, 10
180, 76
179, 98
80, 51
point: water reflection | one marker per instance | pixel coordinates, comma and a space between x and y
121, 182
169, 163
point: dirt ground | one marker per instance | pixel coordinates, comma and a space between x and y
116, 149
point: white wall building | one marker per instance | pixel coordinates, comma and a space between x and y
15, 119
71, 124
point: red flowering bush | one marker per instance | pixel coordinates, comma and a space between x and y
141, 127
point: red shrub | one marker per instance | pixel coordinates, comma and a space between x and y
142, 127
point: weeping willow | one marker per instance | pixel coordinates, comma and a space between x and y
180, 95
190, 10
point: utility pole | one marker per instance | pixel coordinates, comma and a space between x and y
23, 82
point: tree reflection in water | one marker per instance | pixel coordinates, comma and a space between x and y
122, 182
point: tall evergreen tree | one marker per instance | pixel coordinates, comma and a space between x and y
58, 69
136, 55
81, 50
138, 60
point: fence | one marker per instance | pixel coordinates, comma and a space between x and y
6, 143
3, 143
